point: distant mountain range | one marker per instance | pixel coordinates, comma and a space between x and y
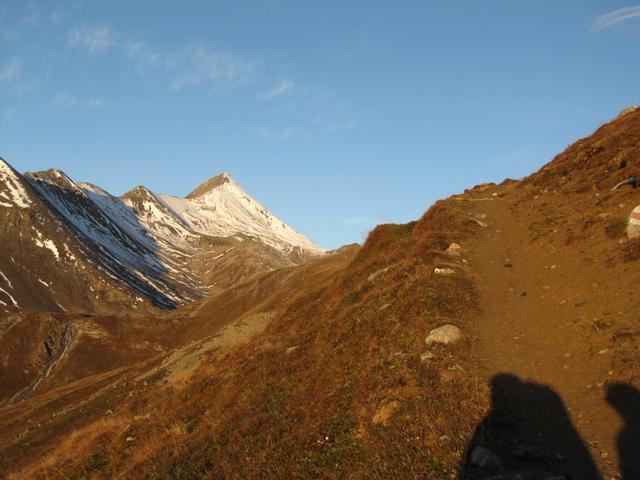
73, 246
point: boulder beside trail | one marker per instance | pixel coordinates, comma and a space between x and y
445, 334
633, 223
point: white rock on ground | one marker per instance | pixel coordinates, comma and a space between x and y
377, 273
443, 271
453, 250
633, 224
445, 334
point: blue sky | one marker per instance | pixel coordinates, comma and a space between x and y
336, 115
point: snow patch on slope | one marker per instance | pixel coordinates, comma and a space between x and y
119, 213
162, 223
13, 192
4, 277
13, 300
46, 243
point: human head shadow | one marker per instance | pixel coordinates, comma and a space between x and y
528, 433
626, 400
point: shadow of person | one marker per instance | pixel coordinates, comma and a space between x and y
626, 400
527, 434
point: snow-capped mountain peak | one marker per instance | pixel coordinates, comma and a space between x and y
211, 184
221, 207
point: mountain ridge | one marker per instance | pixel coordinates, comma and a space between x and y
154, 245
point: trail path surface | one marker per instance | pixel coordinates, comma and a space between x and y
544, 317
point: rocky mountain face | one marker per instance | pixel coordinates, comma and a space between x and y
73, 246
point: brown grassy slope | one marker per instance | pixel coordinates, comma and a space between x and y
99, 366
266, 292
40, 351
570, 199
31, 342
261, 412
597, 162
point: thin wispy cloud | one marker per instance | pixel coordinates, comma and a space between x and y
291, 132
33, 16
202, 65
328, 116
142, 55
57, 16
10, 72
615, 17
95, 40
295, 110
335, 124
277, 134
311, 123
183, 67
284, 88
64, 100
316, 110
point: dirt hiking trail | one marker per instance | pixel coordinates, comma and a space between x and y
546, 313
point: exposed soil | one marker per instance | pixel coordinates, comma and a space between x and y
551, 314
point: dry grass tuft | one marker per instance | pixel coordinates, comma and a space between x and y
616, 228
631, 251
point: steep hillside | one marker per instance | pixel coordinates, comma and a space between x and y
94, 375
43, 264
339, 346
149, 249
117, 243
339, 369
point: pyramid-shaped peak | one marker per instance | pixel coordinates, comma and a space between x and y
138, 193
211, 184
139, 189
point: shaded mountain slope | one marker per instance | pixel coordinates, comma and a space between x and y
124, 252
43, 265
